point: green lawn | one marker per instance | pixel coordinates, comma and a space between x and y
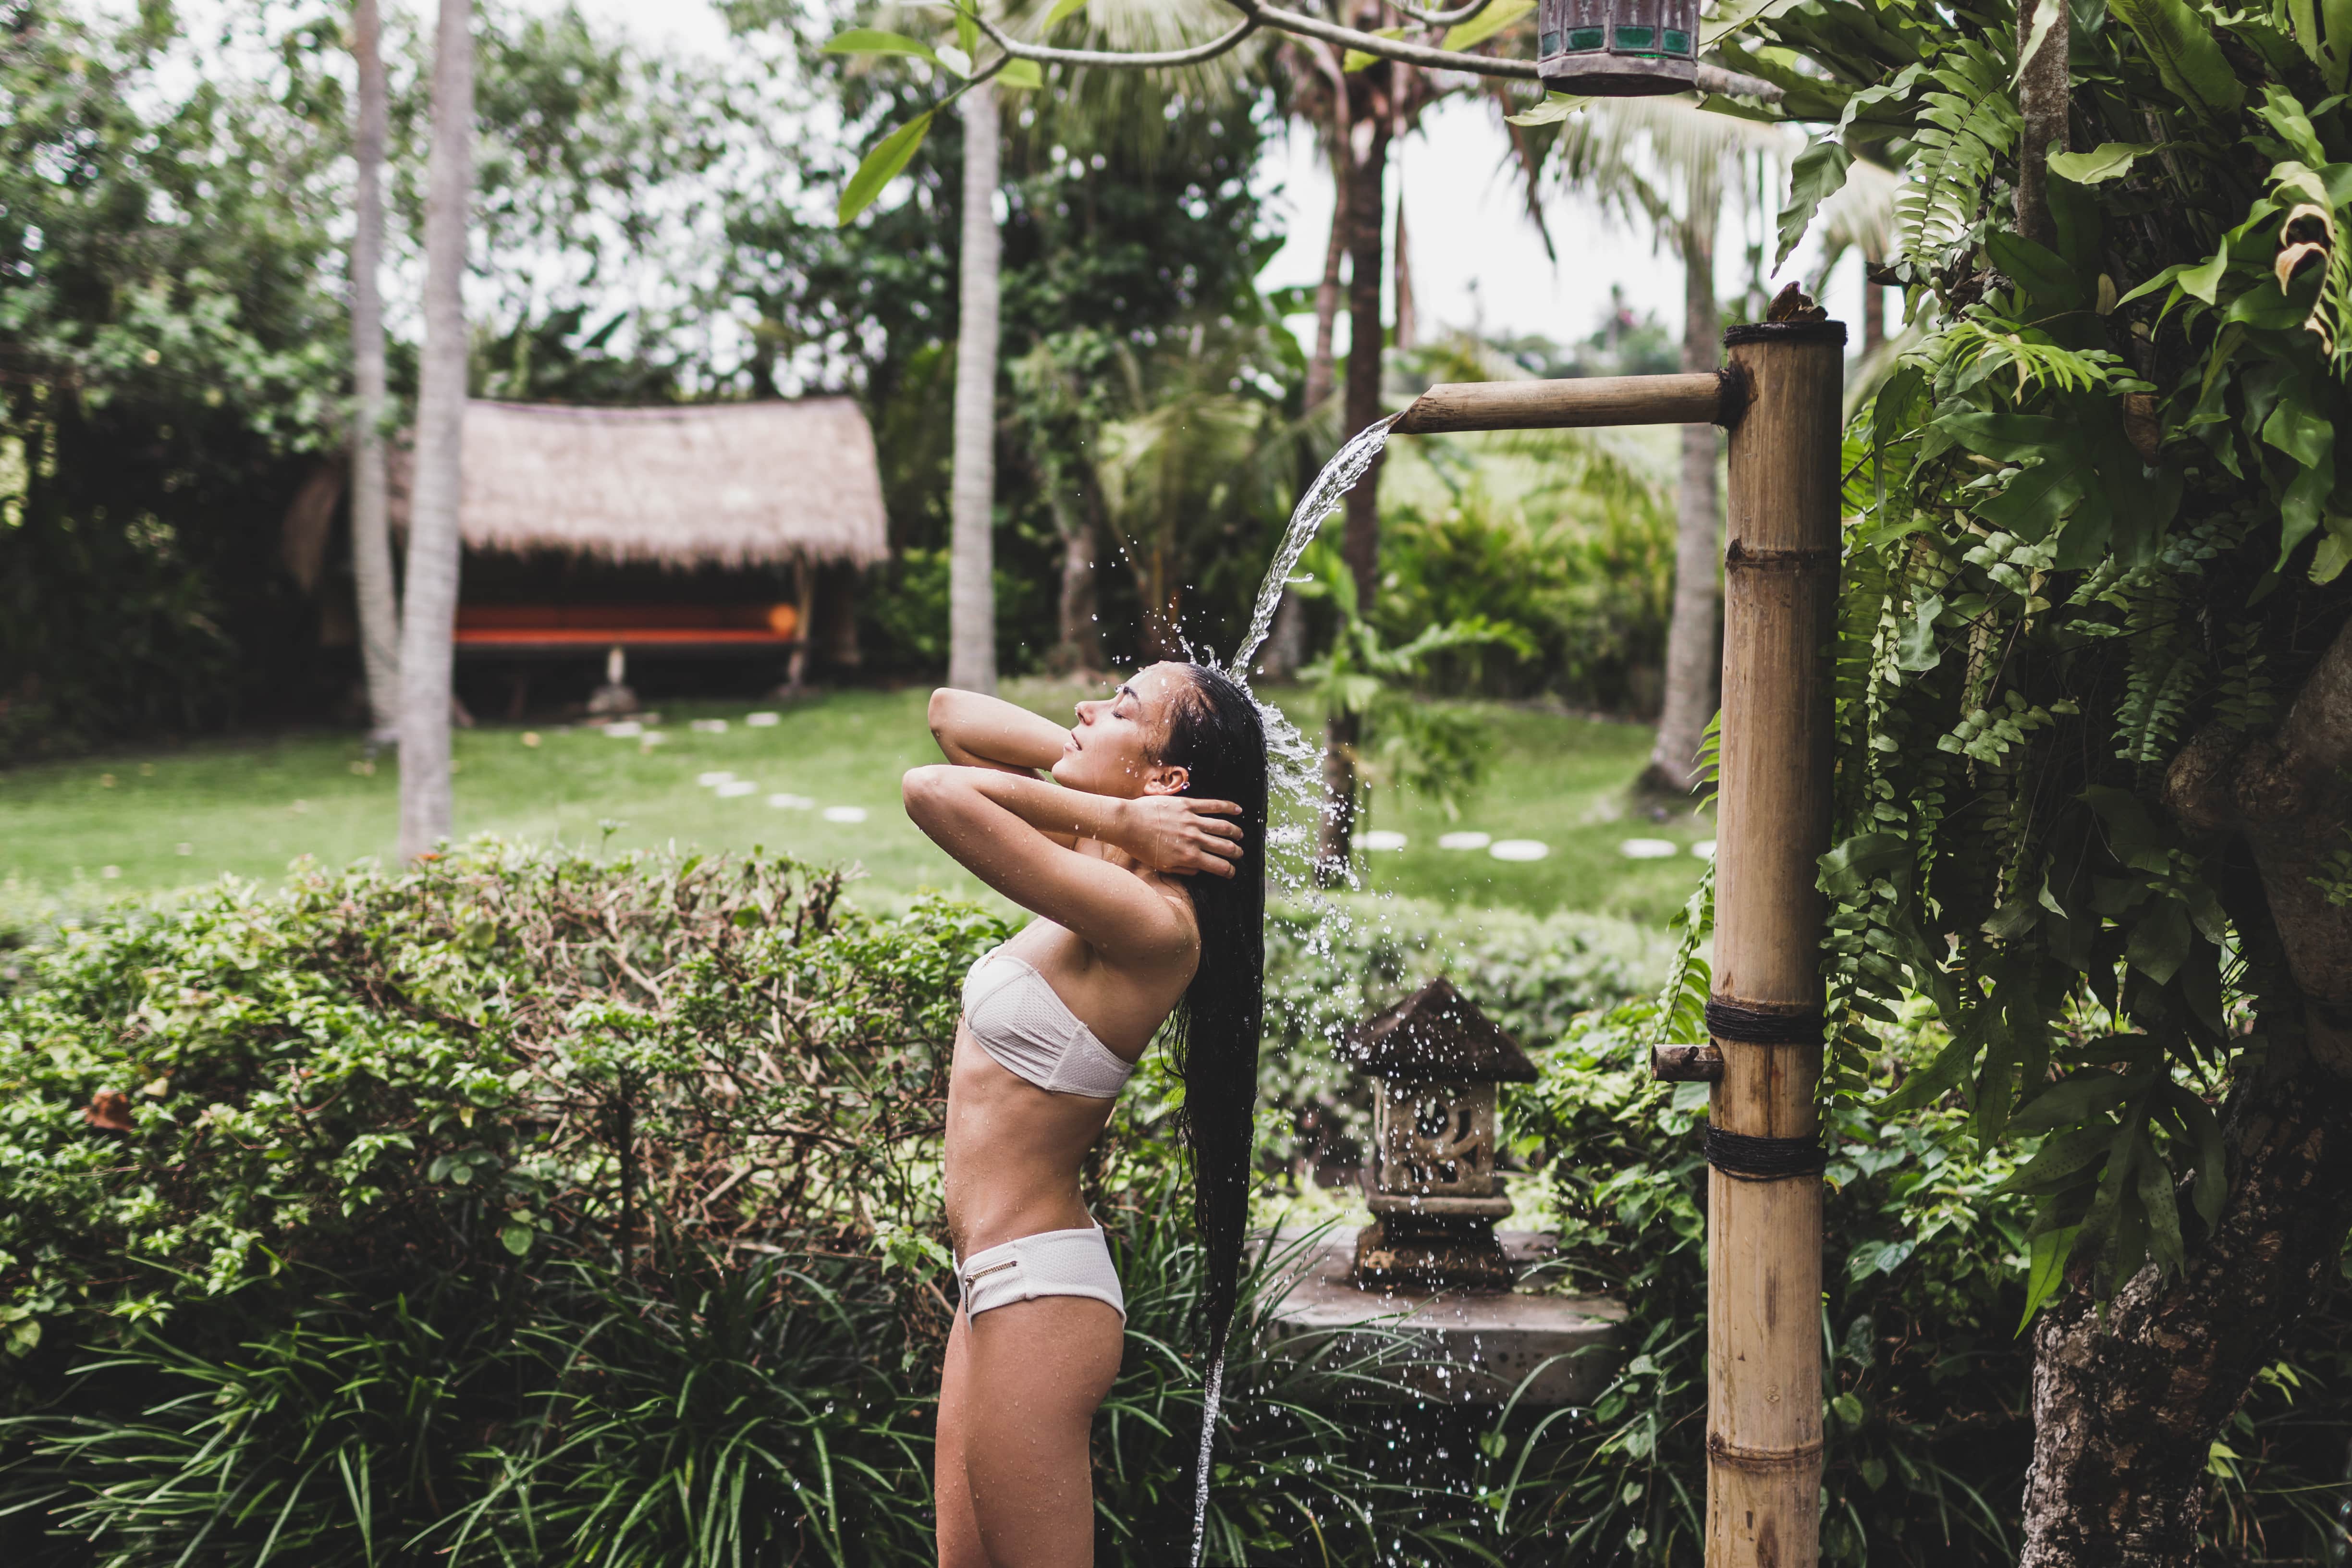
161, 819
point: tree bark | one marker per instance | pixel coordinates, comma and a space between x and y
372, 575
1697, 614
2126, 1411
971, 557
2042, 100
434, 544
1359, 541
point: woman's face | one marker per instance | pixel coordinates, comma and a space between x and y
1112, 747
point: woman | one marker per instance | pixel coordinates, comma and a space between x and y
1144, 861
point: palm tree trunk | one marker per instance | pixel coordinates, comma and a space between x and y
1874, 309
430, 611
379, 607
1359, 542
972, 559
1697, 612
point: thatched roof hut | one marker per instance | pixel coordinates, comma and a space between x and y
714, 484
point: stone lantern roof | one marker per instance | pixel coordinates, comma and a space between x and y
1437, 1034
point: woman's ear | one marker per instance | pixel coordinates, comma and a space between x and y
1164, 779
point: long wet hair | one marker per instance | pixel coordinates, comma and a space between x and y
1215, 734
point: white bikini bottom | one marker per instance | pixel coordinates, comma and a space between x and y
1050, 1262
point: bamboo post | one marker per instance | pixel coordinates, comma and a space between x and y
1688, 399
1764, 1189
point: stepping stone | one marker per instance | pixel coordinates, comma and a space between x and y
791, 801
1648, 849
1520, 849
713, 779
735, 787
844, 813
1703, 848
1381, 839
710, 726
625, 730
762, 720
1464, 840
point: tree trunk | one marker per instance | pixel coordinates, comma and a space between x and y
2042, 94
379, 608
1079, 648
1691, 631
1285, 639
431, 610
972, 559
1874, 310
2126, 1410
1407, 327
1359, 542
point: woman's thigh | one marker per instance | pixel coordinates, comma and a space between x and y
959, 1539
1033, 1373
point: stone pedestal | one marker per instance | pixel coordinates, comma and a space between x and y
1453, 1346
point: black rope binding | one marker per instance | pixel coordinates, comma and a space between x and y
1748, 1158
1728, 1020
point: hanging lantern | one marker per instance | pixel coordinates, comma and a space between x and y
1617, 48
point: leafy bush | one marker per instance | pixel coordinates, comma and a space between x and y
1583, 567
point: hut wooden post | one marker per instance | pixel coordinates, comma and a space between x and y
1764, 1189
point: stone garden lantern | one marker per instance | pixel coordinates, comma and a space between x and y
1617, 48
1435, 1194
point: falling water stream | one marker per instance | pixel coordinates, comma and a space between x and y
1293, 771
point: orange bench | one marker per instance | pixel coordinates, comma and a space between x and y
538, 629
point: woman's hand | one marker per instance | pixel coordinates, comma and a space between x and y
1175, 832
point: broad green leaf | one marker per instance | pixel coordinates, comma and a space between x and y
2186, 55
881, 167
1731, 17
873, 41
2008, 437
2163, 1212
2046, 1269
1497, 16
1817, 174
2158, 945
1915, 649
2297, 429
2199, 282
2093, 1092
1555, 108
2213, 1184
2062, 1159
2044, 276
1022, 74
967, 29
1356, 59
1062, 12
2107, 160
2284, 114
2038, 497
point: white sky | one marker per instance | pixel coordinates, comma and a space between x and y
1476, 257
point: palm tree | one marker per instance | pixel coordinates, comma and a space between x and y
971, 548
433, 542
1124, 109
1663, 160
371, 533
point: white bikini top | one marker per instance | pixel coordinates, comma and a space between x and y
1018, 1018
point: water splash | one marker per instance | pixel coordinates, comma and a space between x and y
1338, 477
1209, 1402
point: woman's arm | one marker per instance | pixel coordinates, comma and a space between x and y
976, 732
1003, 826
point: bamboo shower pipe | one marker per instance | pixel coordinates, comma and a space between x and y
1780, 395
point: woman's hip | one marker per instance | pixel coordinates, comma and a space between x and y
1072, 1262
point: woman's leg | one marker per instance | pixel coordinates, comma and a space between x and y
1035, 1373
959, 1531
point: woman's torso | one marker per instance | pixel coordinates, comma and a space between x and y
1013, 1150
